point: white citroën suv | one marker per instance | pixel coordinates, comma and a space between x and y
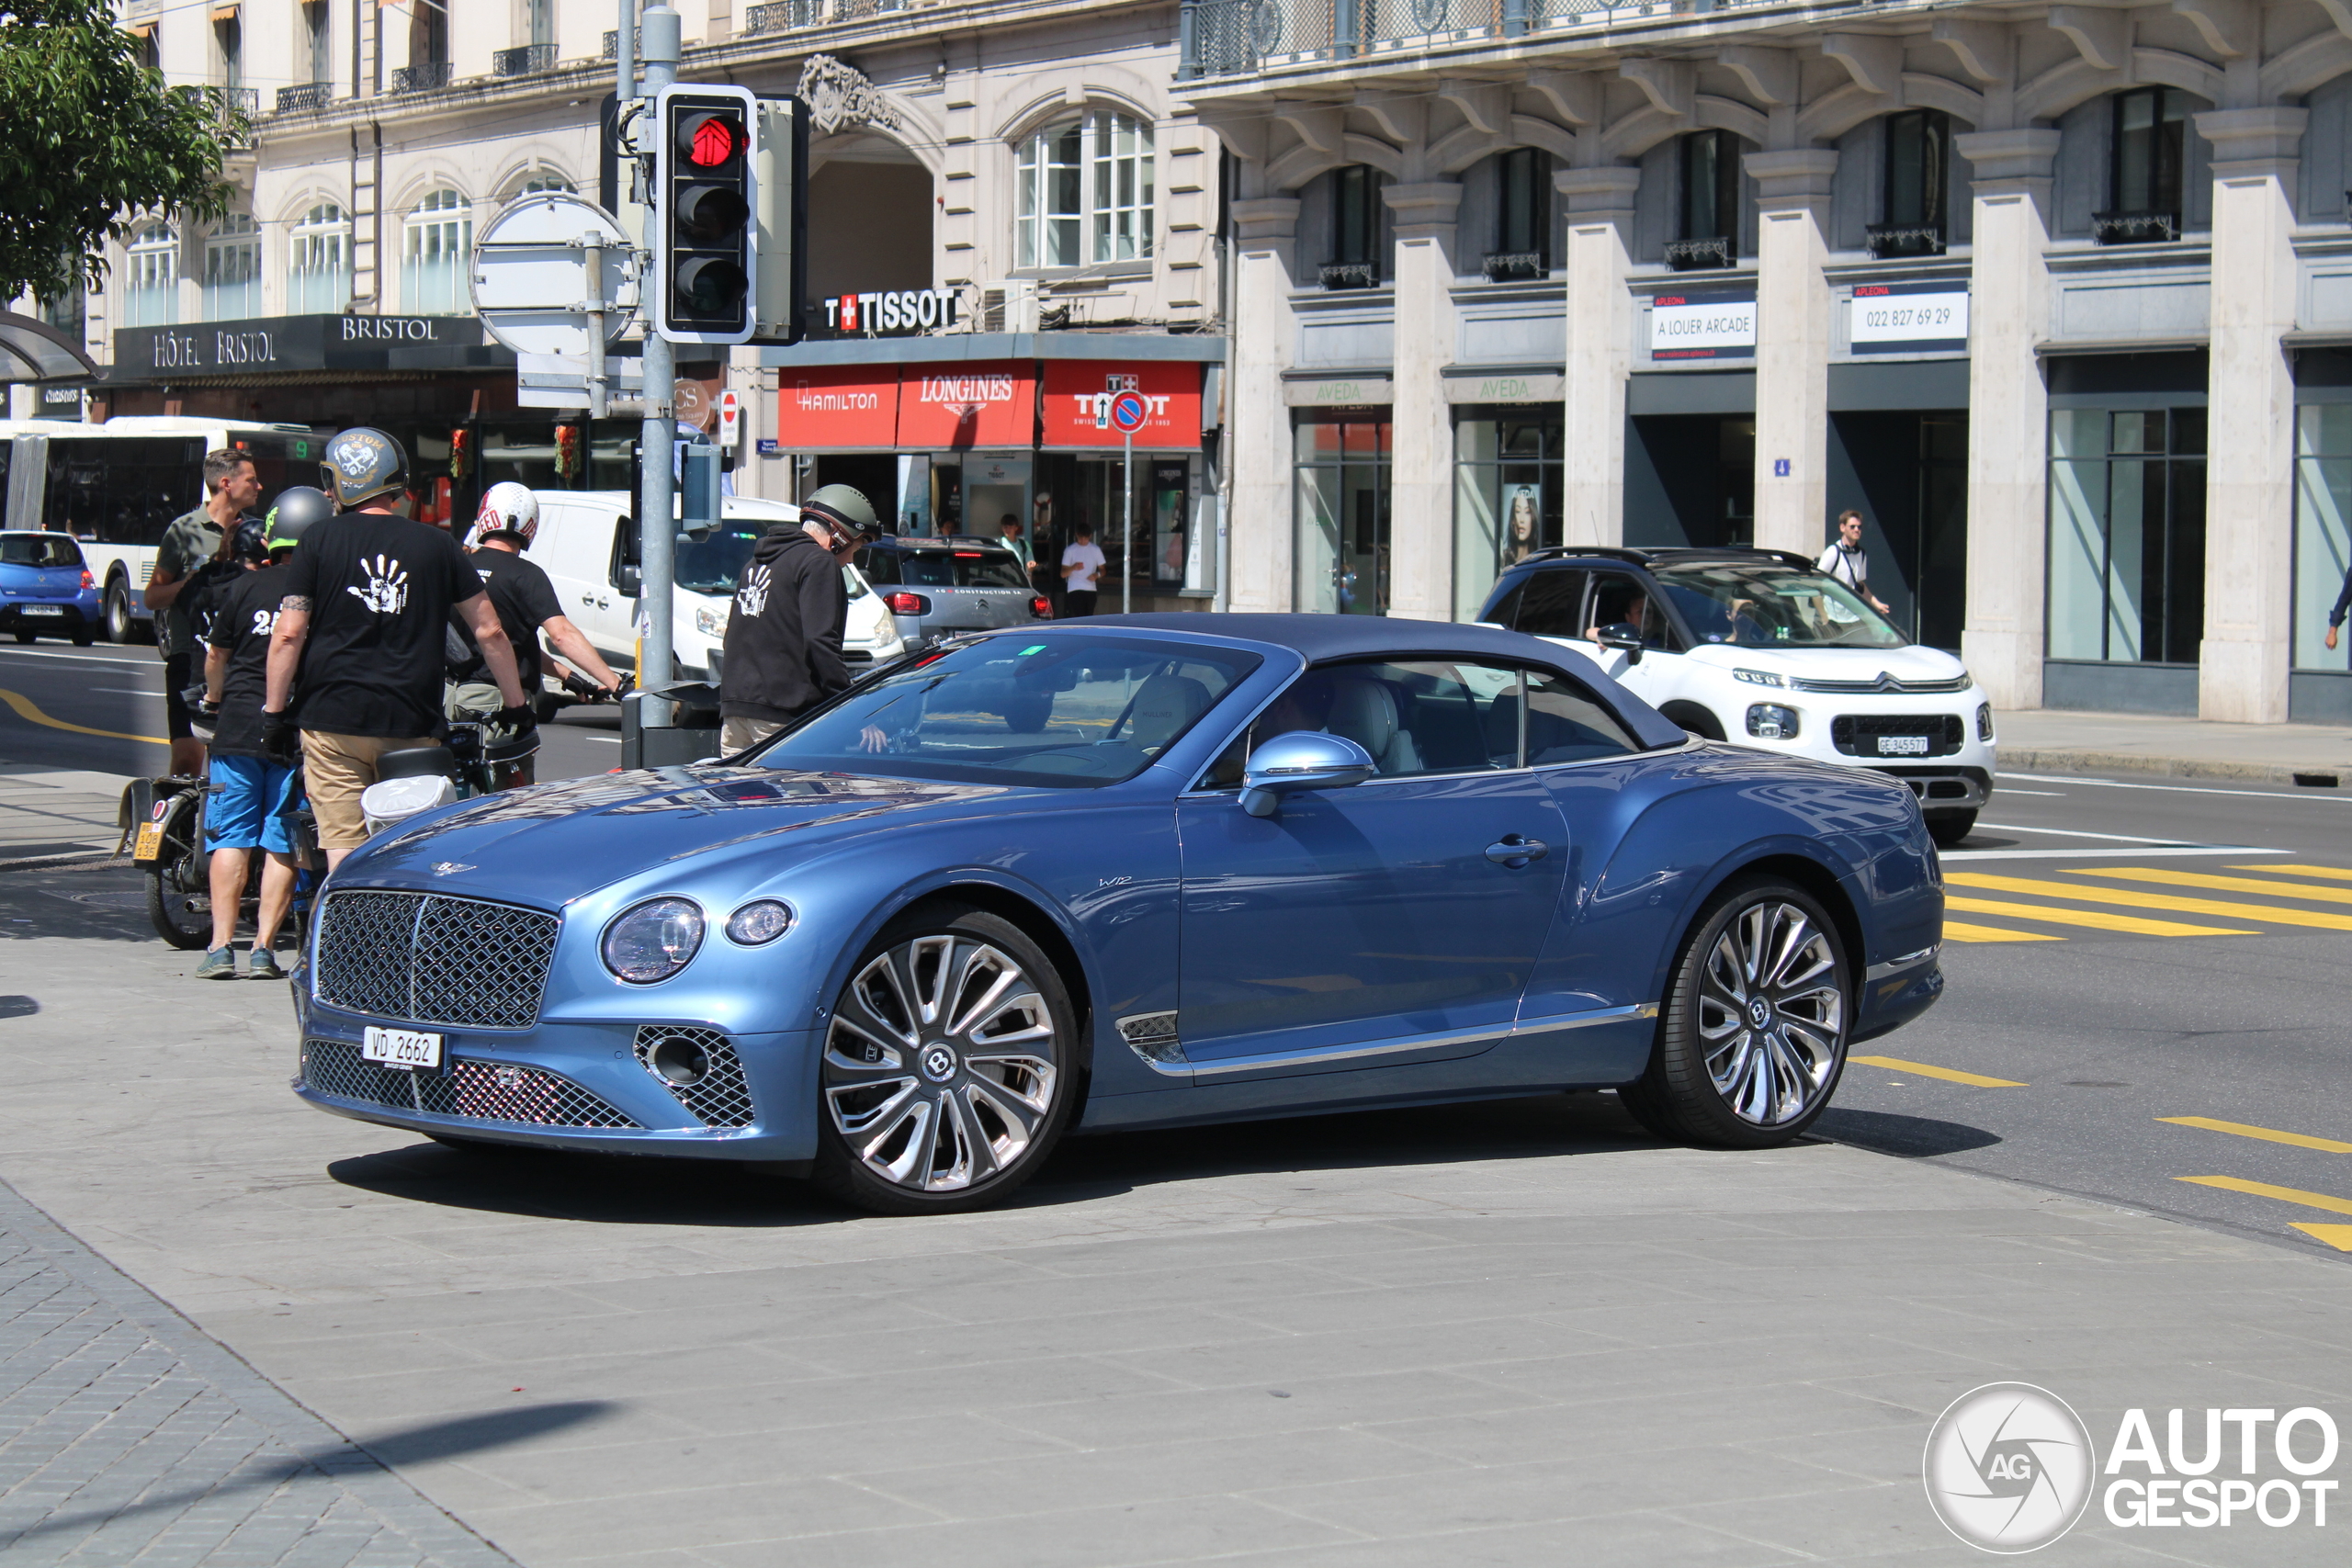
1757, 648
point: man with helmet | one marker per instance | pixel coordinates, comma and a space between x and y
355, 660
783, 653
250, 792
527, 605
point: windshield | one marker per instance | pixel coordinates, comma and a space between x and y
1758, 605
1066, 712
39, 549
714, 564
977, 567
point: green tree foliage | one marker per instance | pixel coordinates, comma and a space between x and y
88, 136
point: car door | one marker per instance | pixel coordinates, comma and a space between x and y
1617, 596
1386, 923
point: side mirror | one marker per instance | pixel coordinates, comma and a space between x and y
1303, 759
1625, 635
631, 581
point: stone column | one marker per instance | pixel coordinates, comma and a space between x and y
1421, 475
2250, 414
1600, 205
2008, 411
1265, 336
1792, 347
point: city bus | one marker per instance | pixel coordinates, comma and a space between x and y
117, 486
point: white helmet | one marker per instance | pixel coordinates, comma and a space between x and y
506, 508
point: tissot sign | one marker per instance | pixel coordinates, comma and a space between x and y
1080, 394
285, 342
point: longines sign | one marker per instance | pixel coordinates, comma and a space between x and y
272, 344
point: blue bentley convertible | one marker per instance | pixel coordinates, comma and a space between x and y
1130, 872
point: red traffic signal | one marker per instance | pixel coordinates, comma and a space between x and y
704, 194
710, 141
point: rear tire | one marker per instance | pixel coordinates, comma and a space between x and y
118, 621
1752, 1039
1951, 829
26, 637
85, 635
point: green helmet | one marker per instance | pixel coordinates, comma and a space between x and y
292, 514
846, 510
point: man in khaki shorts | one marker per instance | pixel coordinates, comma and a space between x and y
356, 662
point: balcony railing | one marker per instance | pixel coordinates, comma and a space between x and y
613, 43
242, 105
1223, 38
2134, 228
1699, 255
1511, 266
1887, 241
309, 95
1347, 274
422, 78
527, 60
784, 17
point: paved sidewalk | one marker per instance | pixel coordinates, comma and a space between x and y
47, 813
2052, 741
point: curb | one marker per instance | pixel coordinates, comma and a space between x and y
2059, 760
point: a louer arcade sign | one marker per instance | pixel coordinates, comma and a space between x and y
272, 344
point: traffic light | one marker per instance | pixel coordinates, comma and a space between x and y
707, 250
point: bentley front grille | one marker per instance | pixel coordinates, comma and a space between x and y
479, 1091
430, 958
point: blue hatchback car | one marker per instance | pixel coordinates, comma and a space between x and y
1130, 872
45, 588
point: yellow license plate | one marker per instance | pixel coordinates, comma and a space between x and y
150, 842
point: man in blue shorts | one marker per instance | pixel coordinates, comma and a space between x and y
251, 793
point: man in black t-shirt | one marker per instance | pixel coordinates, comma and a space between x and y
527, 605
360, 630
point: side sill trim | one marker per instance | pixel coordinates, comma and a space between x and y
1896, 965
1546, 1025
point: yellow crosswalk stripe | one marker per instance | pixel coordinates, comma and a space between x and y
2267, 1134
1950, 1074
2095, 918
1961, 930
2219, 883
2332, 873
2138, 899
2264, 1189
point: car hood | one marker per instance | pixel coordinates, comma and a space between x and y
554, 842
1912, 664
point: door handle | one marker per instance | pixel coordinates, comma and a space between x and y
1515, 852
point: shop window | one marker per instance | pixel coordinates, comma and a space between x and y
2149, 149
1086, 193
1507, 488
1341, 515
2322, 531
1914, 202
150, 282
318, 265
1359, 225
2127, 535
1523, 216
440, 236
1708, 232
232, 270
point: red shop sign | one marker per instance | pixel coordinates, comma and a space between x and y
989, 403
833, 408
1078, 394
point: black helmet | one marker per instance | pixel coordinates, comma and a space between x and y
251, 541
362, 464
292, 513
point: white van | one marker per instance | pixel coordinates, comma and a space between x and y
587, 544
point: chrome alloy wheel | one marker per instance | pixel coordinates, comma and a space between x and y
1771, 1013
940, 1064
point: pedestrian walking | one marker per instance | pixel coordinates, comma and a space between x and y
192, 539
1082, 566
251, 793
356, 658
1846, 561
526, 606
1009, 530
2335, 616
783, 652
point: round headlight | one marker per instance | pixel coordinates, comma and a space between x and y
761, 920
653, 940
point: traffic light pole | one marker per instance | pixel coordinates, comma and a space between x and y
656, 536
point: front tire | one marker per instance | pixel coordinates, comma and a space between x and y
951, 1067
1951, 829
1752, 1038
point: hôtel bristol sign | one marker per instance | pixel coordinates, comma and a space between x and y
284, 342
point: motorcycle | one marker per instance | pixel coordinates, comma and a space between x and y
163, 822
470, 761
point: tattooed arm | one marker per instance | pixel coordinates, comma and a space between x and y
285, 651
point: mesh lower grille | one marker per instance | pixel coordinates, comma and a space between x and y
722, 1098
483, 1091
427, 958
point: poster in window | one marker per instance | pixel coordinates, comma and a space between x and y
1170, 487
1523, 522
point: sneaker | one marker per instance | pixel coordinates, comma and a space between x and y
220, 964
263, 967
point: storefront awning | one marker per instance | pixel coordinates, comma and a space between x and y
31, 350
946, 349
2118, 346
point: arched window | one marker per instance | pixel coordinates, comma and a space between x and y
232, 270
544, 179
153, 286
440, 236
1086, 193
318, 262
